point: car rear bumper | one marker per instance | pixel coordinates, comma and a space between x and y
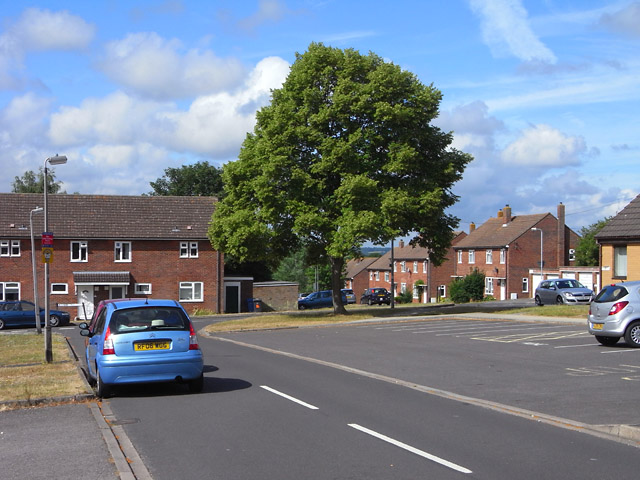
130, 369
609, 328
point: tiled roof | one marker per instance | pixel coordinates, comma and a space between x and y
355, 266
107, 216
101, 277
625, 224
496, 233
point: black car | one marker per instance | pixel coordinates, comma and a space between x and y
22, 313
376, 295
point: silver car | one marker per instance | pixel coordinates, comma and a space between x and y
562, 290
615, 313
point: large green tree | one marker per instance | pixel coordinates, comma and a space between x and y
32, 182
189, 180
344, 154
587, 250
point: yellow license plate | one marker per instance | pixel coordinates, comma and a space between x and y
597, 326
143, 346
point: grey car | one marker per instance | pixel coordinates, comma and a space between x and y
562, 290
615, 313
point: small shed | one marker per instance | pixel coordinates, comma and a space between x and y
276, 295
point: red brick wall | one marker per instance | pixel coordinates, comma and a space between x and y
156, 262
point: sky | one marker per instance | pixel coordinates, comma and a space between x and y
544, 94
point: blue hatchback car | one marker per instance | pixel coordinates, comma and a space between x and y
141, 341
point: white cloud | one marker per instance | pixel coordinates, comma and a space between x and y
213, 125
626, 20
157, 68
506, 30
268, 11
23, 120
542, 146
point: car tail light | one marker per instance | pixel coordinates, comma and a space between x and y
193, 340
107, 346
617, 307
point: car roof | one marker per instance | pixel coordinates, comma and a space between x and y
141, 302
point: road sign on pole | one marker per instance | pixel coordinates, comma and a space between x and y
47, 254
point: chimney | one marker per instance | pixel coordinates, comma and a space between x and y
472, 227
507, 213
401, 243
562, 248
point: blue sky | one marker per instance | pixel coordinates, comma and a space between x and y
544, 94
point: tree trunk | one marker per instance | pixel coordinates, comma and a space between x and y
337, 265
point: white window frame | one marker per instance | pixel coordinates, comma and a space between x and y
4, 286
9, 248
121, 253
424, 267
370, 275
196, 290
472, 257
503, 256
142, 289
189, 249
403, 287
377, 275
620, 261
386, 276
395, 266
59, 288
83, 247
403, 266
415, 266
489, 257
488, 285
459, 256
442, 291
525, 285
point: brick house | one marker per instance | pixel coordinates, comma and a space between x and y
619, 242
413, 271
507, 250
112, 247
357, 276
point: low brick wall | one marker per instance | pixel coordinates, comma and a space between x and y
278, 296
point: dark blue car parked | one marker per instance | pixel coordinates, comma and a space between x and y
21, 313
318, 300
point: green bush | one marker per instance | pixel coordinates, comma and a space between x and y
471, 287
406, 297
457, 291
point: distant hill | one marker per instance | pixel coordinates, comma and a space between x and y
374, 251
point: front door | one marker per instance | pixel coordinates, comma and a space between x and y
85, 301
116, 291
232, 297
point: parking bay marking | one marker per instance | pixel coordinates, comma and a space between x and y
289, 397
411, 449
531, 337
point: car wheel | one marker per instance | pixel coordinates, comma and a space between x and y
559, 300
370, 302
54, 320
301, 307
632, 334
539, 301
102, 390
1, 324
195, 386
607, 341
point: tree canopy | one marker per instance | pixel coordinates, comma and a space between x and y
344, 154
189, 180
587, 251
32, 182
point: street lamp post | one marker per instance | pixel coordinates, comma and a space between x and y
33, 266
48, 353
541, 250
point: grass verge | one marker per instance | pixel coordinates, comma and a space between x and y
25, 376
570, 311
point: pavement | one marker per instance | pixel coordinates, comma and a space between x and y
79, 438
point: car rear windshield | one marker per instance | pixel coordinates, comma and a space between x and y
148, 318
612, 293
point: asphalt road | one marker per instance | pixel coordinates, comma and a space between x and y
269, 415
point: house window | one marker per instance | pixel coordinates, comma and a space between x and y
459, 256
403, 266
489, 257
503, 255
525, 285
122, 251
377, 275
424, 267
386, 276
442, 291
191, 291
370, 275
472, 256
403, 287
59, 288
10, 248
395, 266
188, 249
620, 261
488, 285
415, 266
142, 289
79, 251
9, 291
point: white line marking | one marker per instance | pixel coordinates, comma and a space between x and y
575, 346
411, 449
620, 351
288, 397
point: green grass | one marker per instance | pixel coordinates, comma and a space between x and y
571, 311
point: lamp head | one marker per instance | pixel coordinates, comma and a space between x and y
57, 160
